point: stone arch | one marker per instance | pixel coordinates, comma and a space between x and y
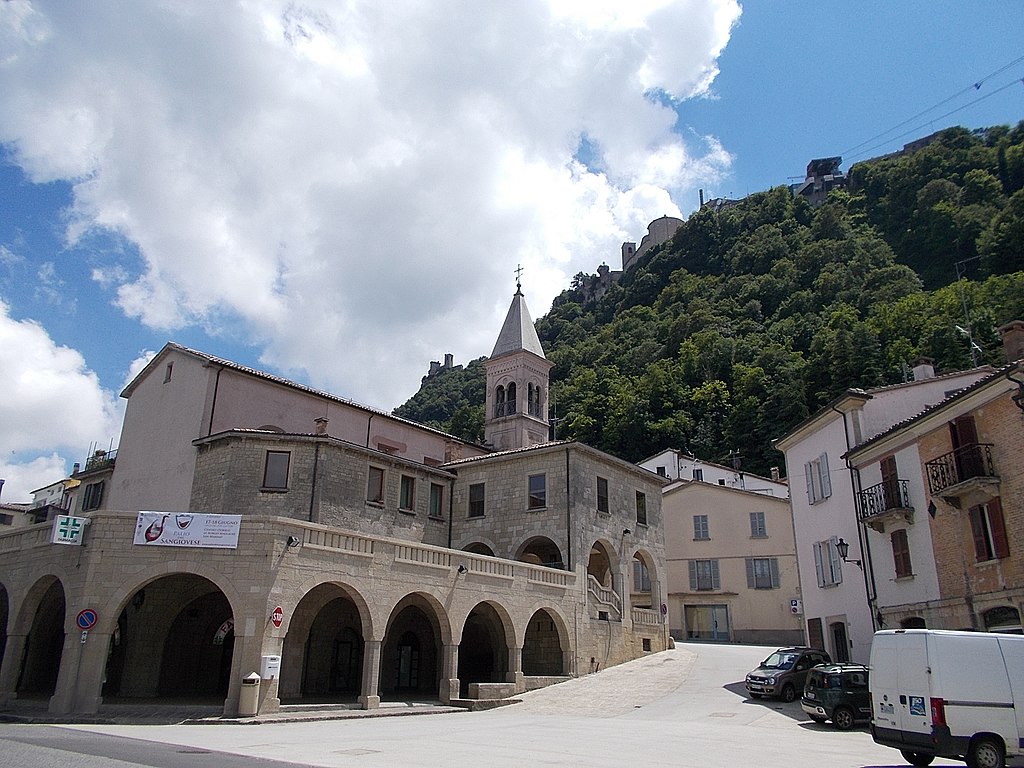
487, 633
510, 398
479, 548
644, 581
546, 644
1002, 618
173, 638
499, 401
912, 622
412, 660
324, 644
540, 550
603, 563
42, 619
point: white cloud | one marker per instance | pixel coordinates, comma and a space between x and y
53, 408
354, 184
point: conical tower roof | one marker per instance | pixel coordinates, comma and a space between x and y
518, 333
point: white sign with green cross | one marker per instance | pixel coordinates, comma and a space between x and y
68, 529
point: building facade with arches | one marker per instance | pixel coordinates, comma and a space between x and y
377, 558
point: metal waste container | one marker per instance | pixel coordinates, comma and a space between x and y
249, 697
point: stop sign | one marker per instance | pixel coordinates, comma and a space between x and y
277, 616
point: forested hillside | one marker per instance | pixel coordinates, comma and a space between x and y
751, 318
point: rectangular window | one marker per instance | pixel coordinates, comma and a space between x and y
704, 575
476, 500
762, 573
819, 484
701, 532
168, 371
375, 486
275, 471
538, 491
436, 500
93, 496
757, 526
698, 474
989, 531
407, 493
662, 472
602, 495
641, 508
641, 577
827, 563
901, 553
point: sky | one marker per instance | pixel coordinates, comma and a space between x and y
339, 193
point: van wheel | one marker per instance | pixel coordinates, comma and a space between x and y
986, 752
788, 692
843, 719
917, 758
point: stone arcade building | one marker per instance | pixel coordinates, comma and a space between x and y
406, 563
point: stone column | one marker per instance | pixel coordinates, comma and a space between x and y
62, 701
91, 668
370, 696
515, 668
449, 675
14, 651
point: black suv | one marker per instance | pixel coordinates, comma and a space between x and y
783, 673
837, 692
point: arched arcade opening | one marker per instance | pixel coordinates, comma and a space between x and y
45, 641
540, 550
483, 652
411, 662
544, 647
322, 657
174, 639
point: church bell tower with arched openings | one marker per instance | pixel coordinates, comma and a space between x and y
517, 383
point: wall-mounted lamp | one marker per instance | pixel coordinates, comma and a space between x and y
293, 542
844, 549
626, 531
462, 569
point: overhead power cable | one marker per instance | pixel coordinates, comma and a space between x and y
976, 86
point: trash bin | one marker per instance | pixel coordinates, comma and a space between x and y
249, 697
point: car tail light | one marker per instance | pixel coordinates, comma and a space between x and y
938, 711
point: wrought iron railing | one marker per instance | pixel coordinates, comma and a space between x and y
889, 494
955, 467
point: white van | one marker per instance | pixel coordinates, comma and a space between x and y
937, 693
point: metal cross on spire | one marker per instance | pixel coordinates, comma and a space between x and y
519, 273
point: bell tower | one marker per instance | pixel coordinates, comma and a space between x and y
517, 383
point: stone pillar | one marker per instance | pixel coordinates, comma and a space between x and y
91, 668
515, 668
449, 675
62, 701
370, 696
14, 652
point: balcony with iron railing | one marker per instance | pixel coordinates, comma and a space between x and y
100, 460
887, 502
964, 476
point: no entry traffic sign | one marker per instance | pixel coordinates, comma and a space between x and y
86, 619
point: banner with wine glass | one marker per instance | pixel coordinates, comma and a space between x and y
187, 529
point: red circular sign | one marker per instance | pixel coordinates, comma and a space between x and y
277, 616
86, 619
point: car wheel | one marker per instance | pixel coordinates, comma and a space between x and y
843, 719
788, 692
985, 752
917, 758
818, 718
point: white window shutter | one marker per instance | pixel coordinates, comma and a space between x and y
819, 565
751, 583
693, 575
826, 480
809, 474
715, 583
773, 565
837, 565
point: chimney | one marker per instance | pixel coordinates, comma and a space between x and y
1013, 340
700, 192
76, 468
924, 368
775, 474
321, 426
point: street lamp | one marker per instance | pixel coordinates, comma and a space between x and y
844, 549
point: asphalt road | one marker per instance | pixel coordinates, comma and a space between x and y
685, 707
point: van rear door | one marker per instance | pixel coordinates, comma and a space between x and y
1012, 648
913, 687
